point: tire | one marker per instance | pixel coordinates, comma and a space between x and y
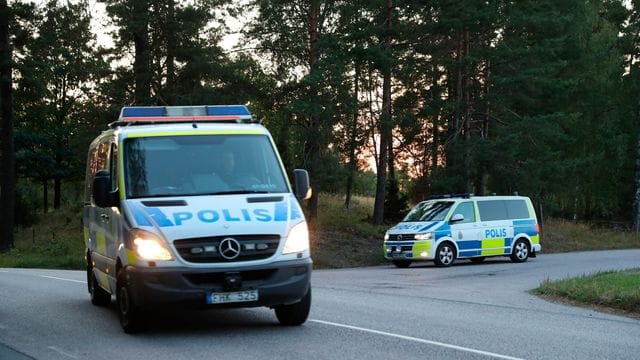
401, 263
99, 296
445, 254
477, 260
131, 316
294, 314
520, 251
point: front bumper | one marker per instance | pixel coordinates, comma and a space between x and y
284, 282
408, 250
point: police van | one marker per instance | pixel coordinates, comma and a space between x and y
463, 226
191, 206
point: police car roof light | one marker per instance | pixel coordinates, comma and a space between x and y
136, 115
449, 196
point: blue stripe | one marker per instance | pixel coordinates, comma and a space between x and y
428, 227
469, 244
139, 217
144, 111
468, 253
281, 211
159, 217
524, 222
228, 110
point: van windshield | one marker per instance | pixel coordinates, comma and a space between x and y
429, 211
189, 165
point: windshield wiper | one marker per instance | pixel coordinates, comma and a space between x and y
238, 192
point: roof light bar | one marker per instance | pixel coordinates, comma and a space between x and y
146, 114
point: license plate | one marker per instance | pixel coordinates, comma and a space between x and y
232, 297
398, 256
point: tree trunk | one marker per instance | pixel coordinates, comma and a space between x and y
57, 192
385, 127
140, 28
7, 167
353, 133
312, 145
636, 202
45, 196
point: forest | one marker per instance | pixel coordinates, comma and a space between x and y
393, 99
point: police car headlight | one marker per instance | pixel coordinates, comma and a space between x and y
426, 236
297, 240
149, 247
386, 236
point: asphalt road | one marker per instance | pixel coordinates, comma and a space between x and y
467, 311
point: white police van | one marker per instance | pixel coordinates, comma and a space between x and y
463, 226
191, 206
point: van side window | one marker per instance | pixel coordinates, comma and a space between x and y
492, 210
113, 166
517, 209
466, 209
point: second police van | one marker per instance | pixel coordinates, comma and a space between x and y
450, 227
191, 206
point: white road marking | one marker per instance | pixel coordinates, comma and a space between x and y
63, 279
62, 352
423, 341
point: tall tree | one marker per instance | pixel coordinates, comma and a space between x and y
7, 186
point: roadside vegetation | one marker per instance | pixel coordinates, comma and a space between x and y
342, 237
618, 291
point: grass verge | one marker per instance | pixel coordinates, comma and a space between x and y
618, 291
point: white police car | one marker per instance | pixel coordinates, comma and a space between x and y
192, 206
464, 226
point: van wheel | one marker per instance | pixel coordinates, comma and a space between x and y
401, 263
99, 296
294, 314
445, 254
131, 316
520, 251
477, 260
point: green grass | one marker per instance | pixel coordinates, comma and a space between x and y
54, 241
615, 290
342, 237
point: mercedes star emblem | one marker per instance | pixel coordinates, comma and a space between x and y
399, 237
229, 248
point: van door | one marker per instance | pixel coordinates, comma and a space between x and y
496, 229
466, 233
106, 220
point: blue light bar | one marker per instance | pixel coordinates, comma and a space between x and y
228, 110
208, 113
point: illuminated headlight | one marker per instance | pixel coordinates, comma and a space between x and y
297, 240
149, 247
426, 236
386, 236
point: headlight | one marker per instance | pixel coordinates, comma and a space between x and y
386, 236
149, 247
297, 240
426, 236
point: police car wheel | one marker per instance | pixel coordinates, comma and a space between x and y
294, 314
445, 254
131, 317
401, 263
99, 296
520, 251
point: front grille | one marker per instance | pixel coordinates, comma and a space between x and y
219, 278
401, 237
207, 249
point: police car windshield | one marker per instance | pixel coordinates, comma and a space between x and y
191, 165
429, 211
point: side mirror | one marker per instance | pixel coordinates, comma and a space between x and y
456, 218
301, 179
101, 191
